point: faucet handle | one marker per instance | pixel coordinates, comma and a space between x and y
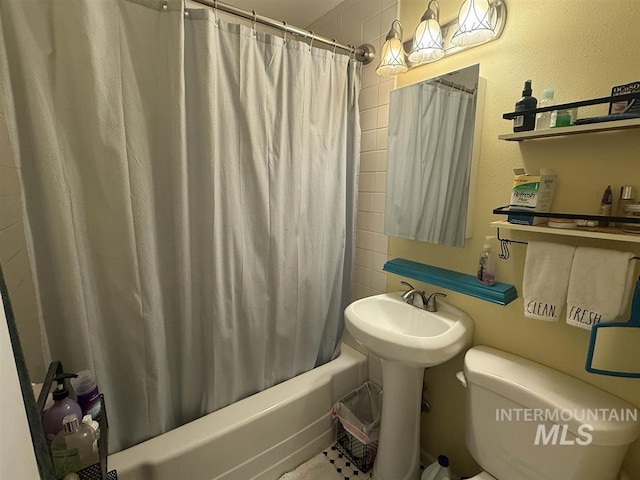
407, 284
432, 306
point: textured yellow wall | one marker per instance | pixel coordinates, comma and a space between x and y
581, 48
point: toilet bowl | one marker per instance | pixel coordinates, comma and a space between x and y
526, 421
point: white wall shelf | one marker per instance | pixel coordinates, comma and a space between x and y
572, 130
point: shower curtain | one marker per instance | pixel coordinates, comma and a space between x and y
189, 187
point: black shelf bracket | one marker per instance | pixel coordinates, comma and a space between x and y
504, 242
581, 103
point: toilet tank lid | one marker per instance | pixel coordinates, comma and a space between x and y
550, 395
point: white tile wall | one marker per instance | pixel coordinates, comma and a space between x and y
356, 22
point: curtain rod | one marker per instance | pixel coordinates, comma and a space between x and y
364, 53
453, 85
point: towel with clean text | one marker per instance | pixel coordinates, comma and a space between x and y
547, 267
599, 286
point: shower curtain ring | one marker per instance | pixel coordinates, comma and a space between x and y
164, 4
335, 44
255, 33
311, 42
284, 34
215, 13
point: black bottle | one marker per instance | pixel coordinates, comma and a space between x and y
523, 123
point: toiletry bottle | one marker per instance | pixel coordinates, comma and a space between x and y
523, 123
439, 470
543, 119
605, 206
88, 420
62, 406
74, 448
487, 264
87, 393
626, 198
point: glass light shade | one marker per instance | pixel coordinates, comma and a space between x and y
392, 58
474, 23
427, 43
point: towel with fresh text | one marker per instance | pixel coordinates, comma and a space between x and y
599, 286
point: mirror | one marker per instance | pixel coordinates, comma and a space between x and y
16, 396
433, 140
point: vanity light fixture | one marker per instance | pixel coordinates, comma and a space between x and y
392, 60
478, 22
427, 39
474, 23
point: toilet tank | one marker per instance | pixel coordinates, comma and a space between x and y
526, 421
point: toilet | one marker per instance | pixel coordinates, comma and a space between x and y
526, 421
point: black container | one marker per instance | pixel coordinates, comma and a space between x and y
362, 455
526, 122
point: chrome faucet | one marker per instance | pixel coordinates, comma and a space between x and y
428, 303
410, 294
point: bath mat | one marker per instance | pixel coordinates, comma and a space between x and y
318, 468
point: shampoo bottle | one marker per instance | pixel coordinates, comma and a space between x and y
523, 123
487, 264
62, 406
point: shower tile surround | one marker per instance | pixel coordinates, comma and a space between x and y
356, 22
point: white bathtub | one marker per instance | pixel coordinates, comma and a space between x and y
260, 437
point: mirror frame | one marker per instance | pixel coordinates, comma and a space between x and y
38, 440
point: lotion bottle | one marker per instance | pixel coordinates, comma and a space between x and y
487, 264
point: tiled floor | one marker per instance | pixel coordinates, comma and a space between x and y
344, 467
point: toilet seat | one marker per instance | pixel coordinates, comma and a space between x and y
483, 476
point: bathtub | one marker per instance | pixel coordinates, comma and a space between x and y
259, 437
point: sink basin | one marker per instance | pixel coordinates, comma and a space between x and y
397, 331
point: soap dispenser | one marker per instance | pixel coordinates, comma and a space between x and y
487, 264
62, 406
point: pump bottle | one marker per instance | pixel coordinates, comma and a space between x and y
527, 121
62, 406
487, 264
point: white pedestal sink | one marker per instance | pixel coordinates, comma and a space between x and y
407, 339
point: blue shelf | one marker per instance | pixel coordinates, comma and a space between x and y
500, 293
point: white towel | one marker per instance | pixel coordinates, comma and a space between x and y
599, 287
546, 278
318, 468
